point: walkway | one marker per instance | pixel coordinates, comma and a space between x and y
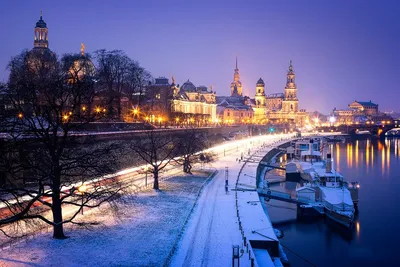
214, 225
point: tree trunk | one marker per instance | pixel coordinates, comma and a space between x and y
58, 231
155, 174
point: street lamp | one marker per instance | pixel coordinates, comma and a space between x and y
135, 112
146, 170
82, 190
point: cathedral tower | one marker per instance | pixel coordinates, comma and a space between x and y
260, 93
41, 39
290, 102
236, 85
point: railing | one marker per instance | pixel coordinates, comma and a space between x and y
283, 196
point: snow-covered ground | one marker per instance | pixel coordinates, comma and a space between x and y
150, 223
143, 235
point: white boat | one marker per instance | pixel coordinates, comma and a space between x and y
330, 188
335, 197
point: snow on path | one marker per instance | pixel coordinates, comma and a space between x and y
210, 233
213, 227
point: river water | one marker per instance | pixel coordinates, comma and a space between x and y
374, 240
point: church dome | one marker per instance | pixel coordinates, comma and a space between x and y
260, 81
188, 86
40, 23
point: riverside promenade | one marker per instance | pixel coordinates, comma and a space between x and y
222, 220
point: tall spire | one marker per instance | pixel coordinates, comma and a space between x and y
41, 14
236, 85
236, 63
290, 66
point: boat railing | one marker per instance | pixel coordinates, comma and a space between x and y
288, 196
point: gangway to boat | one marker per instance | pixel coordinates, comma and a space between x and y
282, 196
274, 167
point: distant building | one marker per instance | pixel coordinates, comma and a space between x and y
275, 108
274, 101
366, 108
236, 85
234, 110
41, 38
191, 102
181, 104
279, 107
360, 112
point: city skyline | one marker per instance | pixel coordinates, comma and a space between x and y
341, 52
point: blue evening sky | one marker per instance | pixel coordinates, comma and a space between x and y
342, 50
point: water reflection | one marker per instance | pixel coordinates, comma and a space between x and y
337, 157
383, 160
365, 161
356, 152
358, 229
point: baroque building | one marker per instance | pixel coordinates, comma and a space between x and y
41, 39
284, 108
359, 112
180, 104
236, 108
263, 108
198, 102
236, 85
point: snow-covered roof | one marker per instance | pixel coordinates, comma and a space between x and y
322, 173
337, 196
313, 153
305, 188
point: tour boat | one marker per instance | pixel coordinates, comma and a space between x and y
337, 196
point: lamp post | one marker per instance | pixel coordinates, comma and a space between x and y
82, 190
145, 180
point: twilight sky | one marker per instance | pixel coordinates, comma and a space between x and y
342, 50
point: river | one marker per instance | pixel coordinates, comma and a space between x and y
373, 241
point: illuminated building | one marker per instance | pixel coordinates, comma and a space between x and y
41, 39
366, 108
180, 103
361, 113
259, 105
236, 85
198, 102
284, 107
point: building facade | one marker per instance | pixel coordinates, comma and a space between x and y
366, 108
263, 108
191, 102
236, 85
359, 112
284, 107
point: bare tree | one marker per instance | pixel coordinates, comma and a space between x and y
112, 67
190, 143
47, 167
156, 148
137, 80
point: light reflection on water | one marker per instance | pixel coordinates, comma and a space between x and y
376, 165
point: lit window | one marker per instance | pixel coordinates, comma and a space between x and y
158, 96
